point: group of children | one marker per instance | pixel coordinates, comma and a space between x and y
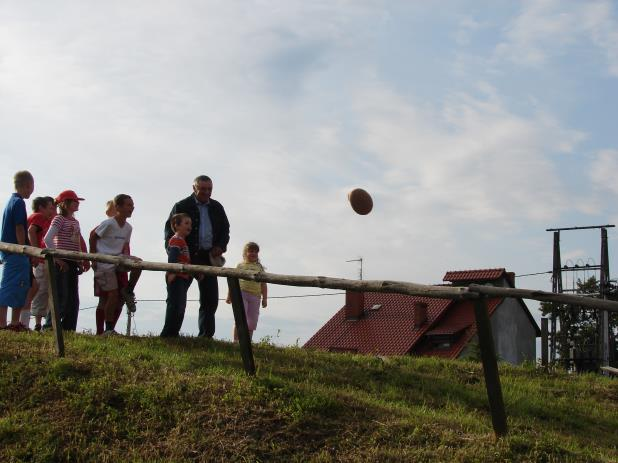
52, 224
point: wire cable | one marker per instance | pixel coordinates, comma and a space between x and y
269, 297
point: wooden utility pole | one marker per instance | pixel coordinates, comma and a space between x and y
604, 290
240, 317
544, 346
52, 303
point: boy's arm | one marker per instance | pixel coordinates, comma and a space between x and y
32, 231
264, 294
85, 263
173, 255
92, 241
20, 233
50, 235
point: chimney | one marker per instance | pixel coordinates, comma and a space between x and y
354, 305
420, 313
510, 278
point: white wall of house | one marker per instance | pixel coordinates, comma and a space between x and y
514, 334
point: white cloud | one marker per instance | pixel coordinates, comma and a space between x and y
603, 170
546, 28
473, 159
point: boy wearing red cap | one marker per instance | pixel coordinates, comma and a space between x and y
15, 281
64, 233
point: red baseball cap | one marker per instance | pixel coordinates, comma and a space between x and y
68, 194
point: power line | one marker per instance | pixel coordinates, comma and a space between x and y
530, 274
197, 300
269, 297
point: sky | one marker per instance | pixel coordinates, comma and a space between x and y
475, 127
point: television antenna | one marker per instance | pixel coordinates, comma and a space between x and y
360, 270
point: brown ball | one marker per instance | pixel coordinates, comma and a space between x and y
360, 201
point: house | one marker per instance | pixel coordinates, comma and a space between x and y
397, 324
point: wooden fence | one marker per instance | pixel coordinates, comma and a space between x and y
477, 292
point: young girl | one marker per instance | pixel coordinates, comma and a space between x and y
64, 233
251, 291
177, 283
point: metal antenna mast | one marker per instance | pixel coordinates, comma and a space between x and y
360, 271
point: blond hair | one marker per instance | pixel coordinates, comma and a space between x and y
251, 246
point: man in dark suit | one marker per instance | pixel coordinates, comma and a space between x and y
207, 242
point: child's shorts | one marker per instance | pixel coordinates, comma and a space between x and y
15, 281
252, 309
106, 280
121, 277
39, 302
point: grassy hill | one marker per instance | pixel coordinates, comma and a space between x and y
147, 399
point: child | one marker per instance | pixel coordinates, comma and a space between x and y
177, 283
15, 281
64, 233
39, 221
112, 237
251, 290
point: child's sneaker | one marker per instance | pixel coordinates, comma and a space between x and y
129, 299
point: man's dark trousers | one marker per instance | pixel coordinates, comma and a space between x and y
209, 297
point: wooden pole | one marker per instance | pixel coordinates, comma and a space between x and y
244, 338
490, 367
473, 291
52, 303
544, 341
128, 322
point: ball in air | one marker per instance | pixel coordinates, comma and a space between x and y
360, 201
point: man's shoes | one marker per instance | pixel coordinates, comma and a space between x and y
110, 333
129, 299
37, 327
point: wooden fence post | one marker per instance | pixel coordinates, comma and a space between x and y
490, 367
544, 340
242, 329
52, 303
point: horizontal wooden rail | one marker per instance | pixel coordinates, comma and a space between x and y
400, 287
473, 291
589, 302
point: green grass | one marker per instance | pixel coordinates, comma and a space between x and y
147, 399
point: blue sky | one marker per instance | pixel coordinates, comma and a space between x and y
475, 126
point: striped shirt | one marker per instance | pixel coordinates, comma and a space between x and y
64, 234
178, 253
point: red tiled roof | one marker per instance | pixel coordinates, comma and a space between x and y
391, 331
445, 330
474, 275
459, 315
387, 331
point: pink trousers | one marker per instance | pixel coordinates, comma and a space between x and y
252, 309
